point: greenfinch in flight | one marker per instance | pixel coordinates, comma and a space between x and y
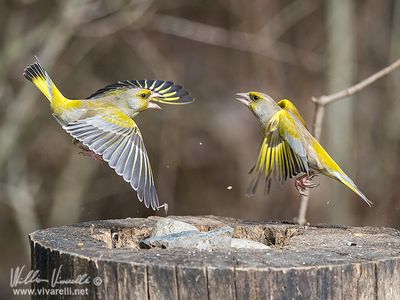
288, 148
103, 123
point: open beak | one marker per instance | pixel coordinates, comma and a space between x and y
153, 105
244, 98
154, 97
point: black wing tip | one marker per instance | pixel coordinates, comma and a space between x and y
159, 86
167, 87
34, 70
184, 100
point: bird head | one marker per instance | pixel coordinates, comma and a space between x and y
144, 99
150, 91
262, 105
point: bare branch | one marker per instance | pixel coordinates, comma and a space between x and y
318, 119
324, 100
301, 219
320, 104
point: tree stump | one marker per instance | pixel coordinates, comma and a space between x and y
304, 262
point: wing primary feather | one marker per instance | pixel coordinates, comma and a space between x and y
140, 180
280, 164
152, 84
268, 169
90, 139
81, 134
107, 154
160, 86
297, 164
144, 185
135, 169
121, 147
283, 166
104, 146
101, 143
116, 156
286, 161
123, 159
290, 161
129, 164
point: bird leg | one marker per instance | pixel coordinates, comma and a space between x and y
86, 151
305, 182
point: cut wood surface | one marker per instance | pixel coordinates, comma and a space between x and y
304, 262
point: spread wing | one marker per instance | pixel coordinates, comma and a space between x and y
118, 140
282, 151
170, 92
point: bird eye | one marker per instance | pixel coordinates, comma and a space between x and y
143, 95
255, 97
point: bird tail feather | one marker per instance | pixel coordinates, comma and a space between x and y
36, 74
343, 178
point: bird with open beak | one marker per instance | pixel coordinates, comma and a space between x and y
288, 149
103, 123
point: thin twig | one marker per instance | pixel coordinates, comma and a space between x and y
324, 100
320, 104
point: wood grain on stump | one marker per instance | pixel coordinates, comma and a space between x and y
321, 262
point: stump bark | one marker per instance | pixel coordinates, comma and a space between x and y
315, 262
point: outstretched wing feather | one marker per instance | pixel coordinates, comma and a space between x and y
282, 153
122, 148
170, 92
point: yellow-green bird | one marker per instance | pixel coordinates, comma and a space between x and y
288, 148
103, 123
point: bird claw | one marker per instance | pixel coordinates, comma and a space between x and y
86, 152
165, 206
305, 182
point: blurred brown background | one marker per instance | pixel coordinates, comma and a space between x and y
215, 48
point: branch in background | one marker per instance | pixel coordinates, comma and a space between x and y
320, 104
324, 100
217, 36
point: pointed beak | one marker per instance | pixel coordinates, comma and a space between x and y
244, 98
153, 105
